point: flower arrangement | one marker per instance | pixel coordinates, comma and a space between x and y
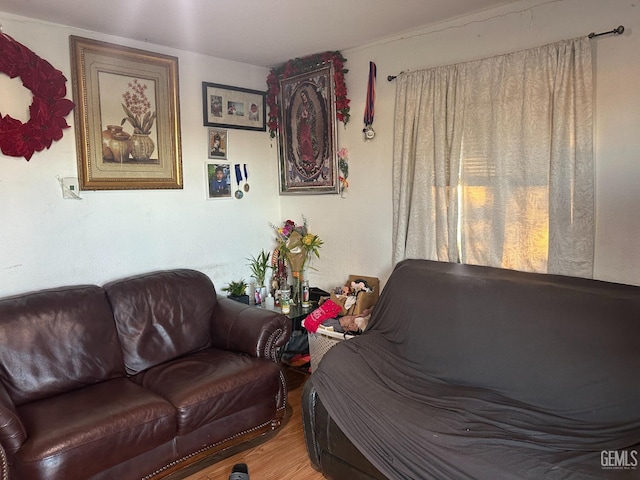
48, 108
300, 65
343, 164
137, 107
296, 244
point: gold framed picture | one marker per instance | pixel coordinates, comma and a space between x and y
127, 117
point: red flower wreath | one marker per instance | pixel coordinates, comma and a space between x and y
300, 65
48, 109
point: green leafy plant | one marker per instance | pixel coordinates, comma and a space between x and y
259, 266
236, 288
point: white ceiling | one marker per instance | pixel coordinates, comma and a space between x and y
259, 32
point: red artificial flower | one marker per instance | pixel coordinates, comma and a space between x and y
18, 139
61, 107
10, 56
47, 119
298, 65
45, 82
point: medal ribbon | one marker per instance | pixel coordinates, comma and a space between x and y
238, 174
246, 173
371, 95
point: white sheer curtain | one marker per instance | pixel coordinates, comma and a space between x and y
493, 161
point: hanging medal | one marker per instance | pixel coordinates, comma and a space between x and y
371, 98
246, 178
238, 193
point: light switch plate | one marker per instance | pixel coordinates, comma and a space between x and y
70, 188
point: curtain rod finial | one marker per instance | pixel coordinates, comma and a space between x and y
616, 31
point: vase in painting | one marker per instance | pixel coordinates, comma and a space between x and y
142, 147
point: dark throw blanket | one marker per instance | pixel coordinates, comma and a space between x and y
470, 372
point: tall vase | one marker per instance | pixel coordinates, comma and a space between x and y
141, 147
296, 291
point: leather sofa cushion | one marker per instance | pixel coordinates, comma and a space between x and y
57, 340
161, 315
212, 384
80, 433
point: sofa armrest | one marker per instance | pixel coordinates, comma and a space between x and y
251, 330
308, 410
12, 431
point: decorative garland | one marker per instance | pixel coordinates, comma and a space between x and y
301, 65
343, 164
48, 109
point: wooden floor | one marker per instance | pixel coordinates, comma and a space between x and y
283, 457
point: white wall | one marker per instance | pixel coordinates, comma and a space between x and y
364, 245
48, 241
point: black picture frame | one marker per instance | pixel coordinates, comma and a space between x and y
233, 107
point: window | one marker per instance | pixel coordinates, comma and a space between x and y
493, 161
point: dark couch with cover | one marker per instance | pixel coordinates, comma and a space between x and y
469, 372
135, 379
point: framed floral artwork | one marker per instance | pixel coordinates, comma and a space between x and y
127, 117
233, 107
307, 138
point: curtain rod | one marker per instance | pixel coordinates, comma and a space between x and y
616, 31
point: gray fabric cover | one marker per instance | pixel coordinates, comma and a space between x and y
477, 372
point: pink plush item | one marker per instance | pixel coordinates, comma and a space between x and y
329, 309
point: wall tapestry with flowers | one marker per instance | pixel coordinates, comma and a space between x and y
304, 98
48, 108
295, 248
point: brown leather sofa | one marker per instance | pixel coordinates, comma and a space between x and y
135, 379
468, 372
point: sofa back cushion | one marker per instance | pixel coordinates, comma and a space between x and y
57, 340
161, 315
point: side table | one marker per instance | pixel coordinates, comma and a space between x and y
298, 342
297, 314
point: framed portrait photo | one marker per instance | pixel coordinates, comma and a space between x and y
218, 176
126, 116
218, 144
232, 107
308, 161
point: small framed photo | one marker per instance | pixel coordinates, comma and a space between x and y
218, 144
233, 107
218, 177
